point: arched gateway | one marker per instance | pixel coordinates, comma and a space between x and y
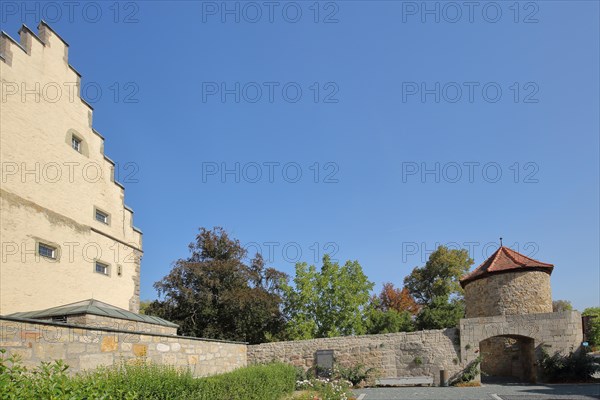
509, 317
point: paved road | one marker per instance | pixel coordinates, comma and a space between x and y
485, 392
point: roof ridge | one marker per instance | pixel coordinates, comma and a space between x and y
514, 261
530, 259
494, 258
509, 255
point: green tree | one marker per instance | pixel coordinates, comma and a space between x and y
439, 278
390, 321
144, 304
327, 303
214, 294
594, 332
441, 313
561, 305
436, 287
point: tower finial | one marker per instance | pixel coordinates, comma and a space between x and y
500, 242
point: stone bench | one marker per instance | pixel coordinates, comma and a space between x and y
406, 381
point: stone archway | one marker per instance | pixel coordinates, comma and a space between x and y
559, 331
508, 357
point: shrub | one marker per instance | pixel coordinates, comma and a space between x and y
357, 375
324, 389
301, 374
573, 367
142, 381
468, 374
259, 382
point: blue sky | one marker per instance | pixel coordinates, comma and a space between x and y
409, 132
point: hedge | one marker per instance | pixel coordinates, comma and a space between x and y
143, 382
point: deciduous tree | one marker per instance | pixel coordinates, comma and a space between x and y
441, 313
327, 302
561, 305
439, 278
400, 300
390, 321
594, 332
436, 287
214, 294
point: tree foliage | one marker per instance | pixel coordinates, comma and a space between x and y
391, 311
144, 304
390, 321
436, 287
594, 332
441, 313
327, 302
439, 278
214, 294
561, 305
400, 300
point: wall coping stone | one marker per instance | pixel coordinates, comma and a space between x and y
107, 329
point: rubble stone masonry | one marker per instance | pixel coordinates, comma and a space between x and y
87, 348
422, 353
509, 294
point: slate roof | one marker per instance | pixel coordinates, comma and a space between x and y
505, 260
94, 307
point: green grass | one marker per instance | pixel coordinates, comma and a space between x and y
142, 382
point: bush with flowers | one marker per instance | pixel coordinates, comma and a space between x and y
324, 389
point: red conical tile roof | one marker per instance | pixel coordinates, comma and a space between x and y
505, 260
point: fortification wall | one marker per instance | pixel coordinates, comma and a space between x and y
509, 293
422, 353
555, 332
94, 321
502, 356
87, 348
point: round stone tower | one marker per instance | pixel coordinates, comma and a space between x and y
508, 283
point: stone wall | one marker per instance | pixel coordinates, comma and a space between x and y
94, 321
555, 331
507, 357
422, 353
87, 348
509, 294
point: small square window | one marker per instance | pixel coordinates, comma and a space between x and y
102, 217
101, 268
46, 251
76, 143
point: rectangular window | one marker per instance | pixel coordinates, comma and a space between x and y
101, 268
102, 217
76, 143
46, 251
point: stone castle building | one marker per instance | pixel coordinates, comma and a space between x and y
66, 234
508, 284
